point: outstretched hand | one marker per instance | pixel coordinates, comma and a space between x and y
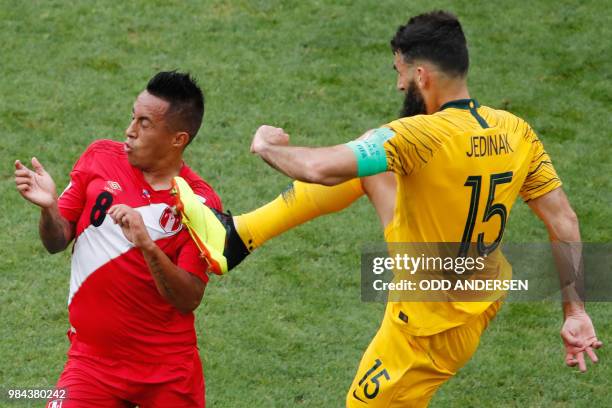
579, 337
36, 185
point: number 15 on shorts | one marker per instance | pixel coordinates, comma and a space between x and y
370, 383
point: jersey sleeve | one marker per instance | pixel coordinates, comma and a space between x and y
189, 257
72, 201
402, 147
541, 177
410, 147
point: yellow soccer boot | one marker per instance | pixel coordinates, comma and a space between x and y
207, 231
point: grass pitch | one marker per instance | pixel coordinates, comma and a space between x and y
288, 328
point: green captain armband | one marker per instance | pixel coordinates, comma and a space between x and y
370, 152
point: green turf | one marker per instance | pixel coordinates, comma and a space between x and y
288, 328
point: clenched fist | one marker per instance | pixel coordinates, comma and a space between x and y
268, 135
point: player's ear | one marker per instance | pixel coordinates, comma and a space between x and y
180, 140
422, 77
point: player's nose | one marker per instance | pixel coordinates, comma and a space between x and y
130, 132
400, 86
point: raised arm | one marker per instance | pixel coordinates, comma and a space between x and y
322, 165
37, 187
562, 224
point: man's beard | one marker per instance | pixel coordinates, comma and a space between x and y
414, 104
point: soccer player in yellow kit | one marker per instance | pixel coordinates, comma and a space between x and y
459, 168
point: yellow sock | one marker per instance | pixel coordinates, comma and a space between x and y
301, 202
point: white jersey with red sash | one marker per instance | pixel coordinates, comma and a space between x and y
114, 306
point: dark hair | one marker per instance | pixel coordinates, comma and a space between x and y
436, 37
185, 97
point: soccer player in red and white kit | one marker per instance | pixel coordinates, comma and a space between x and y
136, 275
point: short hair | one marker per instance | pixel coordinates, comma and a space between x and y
436, 37
185, 97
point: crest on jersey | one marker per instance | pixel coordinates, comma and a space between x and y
169, 221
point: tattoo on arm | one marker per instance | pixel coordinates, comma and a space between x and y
55, 231
160, 278
179, 287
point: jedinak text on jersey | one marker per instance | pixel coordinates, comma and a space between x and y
489, 145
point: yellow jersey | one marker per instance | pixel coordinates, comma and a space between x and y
459, 171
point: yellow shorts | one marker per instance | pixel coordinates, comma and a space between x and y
401, 370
